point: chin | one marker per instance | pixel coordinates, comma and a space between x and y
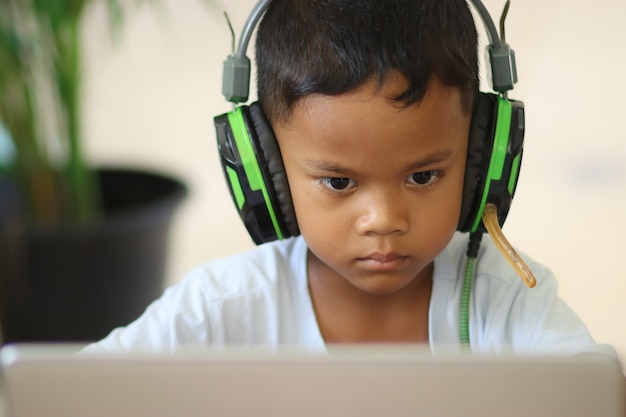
384, 284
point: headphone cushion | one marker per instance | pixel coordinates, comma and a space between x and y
274, 163
480, 143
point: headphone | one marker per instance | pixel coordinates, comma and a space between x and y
256, 176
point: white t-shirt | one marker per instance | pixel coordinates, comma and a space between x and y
261, 297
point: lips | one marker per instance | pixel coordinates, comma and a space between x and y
383, 261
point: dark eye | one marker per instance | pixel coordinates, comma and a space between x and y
424, 178
338, 184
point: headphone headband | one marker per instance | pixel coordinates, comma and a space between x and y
236, 73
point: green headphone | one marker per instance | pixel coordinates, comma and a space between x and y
256, 176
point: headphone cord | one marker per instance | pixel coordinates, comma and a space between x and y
470, 269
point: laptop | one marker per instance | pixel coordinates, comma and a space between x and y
363, 381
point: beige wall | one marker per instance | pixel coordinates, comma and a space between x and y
151, 101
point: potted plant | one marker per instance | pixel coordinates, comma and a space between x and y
82, 248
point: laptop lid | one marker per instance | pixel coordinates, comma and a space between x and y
363, 381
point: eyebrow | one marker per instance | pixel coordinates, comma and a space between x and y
327, 166
438, 156
435, 157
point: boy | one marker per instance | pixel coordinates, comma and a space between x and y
371, 104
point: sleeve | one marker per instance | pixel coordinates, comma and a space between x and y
176, 319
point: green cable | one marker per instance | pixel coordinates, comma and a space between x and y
465, 302
470, 269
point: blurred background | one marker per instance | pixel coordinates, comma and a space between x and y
150, 100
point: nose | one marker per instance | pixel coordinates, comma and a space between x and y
383, 212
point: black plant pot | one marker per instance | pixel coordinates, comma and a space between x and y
78, 283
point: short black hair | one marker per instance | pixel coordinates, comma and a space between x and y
330, 47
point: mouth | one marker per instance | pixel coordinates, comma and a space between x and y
381, 262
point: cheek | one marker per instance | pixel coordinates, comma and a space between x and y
315, 216
443, 210
454, 197
454, 188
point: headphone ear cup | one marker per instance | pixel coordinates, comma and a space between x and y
253, 170
494, 156
480, 144
272, 160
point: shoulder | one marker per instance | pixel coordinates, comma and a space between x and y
497, 291
230, 300
501, 292
492, 268
268, 265
505, 312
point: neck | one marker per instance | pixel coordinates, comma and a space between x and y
350, 315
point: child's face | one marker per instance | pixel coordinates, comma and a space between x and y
376, 186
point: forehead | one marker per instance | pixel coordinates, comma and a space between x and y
366, 122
